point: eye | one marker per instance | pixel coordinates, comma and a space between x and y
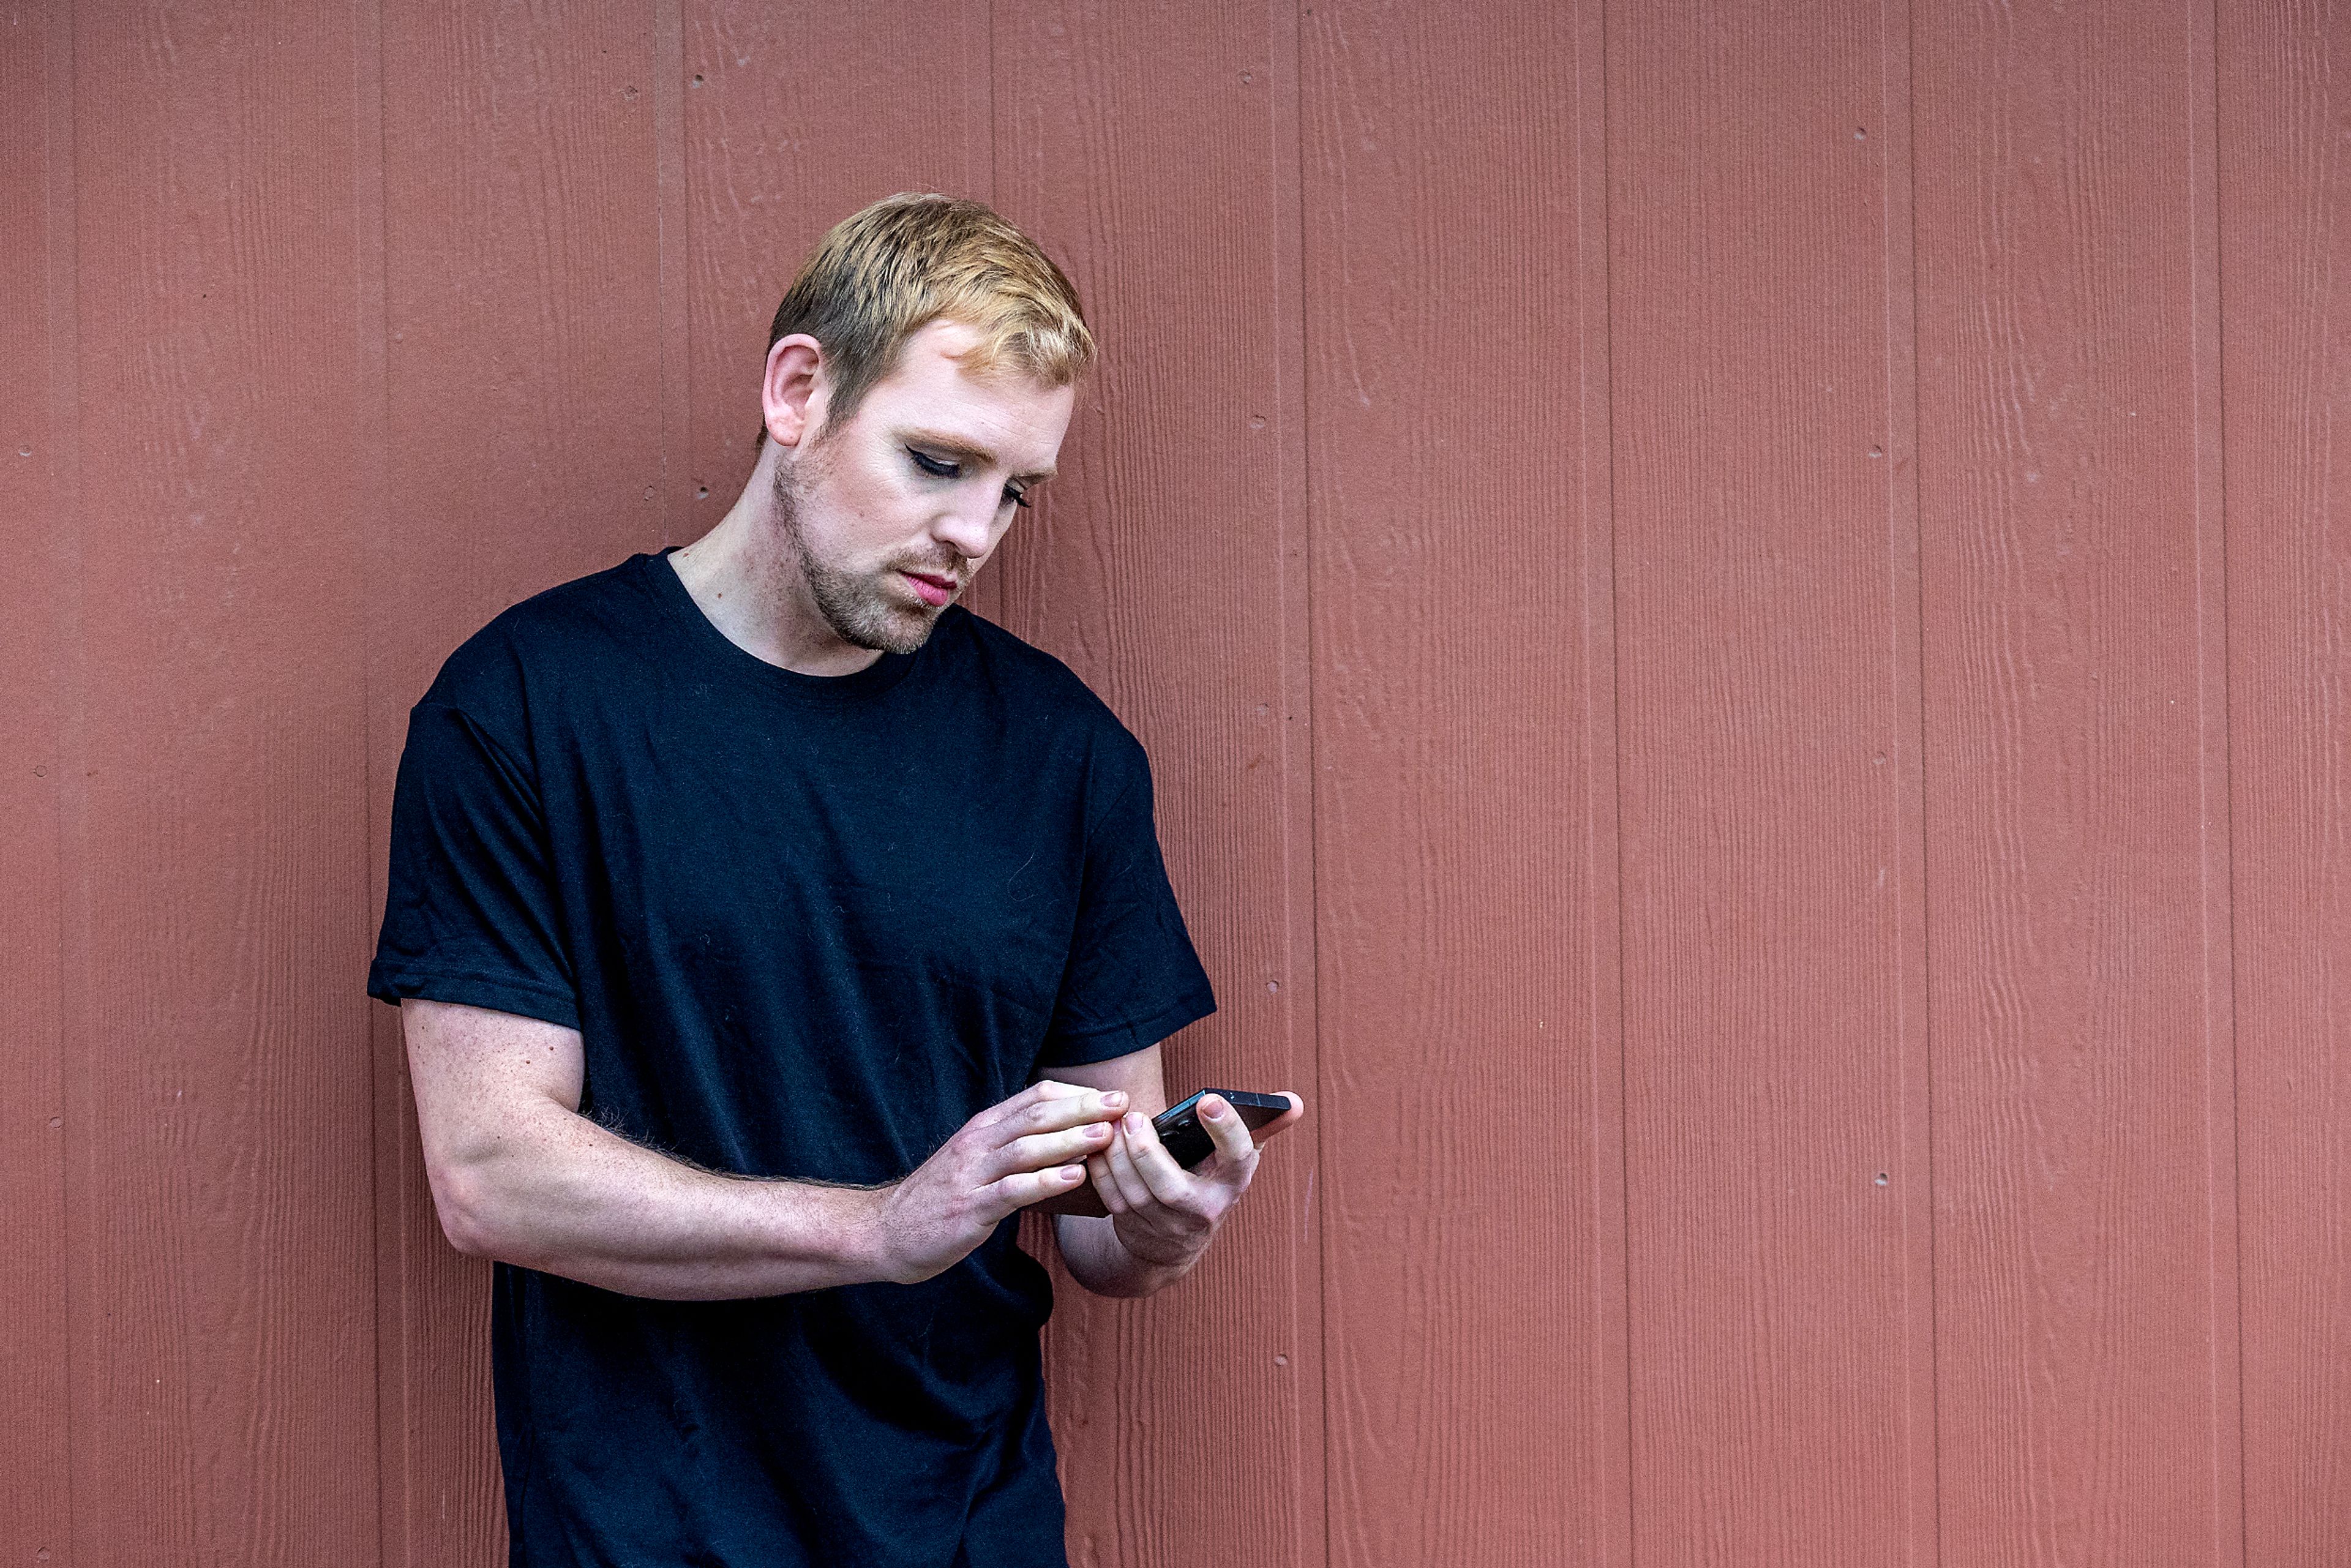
1018, 497
937, 468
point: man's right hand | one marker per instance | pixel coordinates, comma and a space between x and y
1032, 1146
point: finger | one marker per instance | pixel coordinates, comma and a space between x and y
1027, 1100
1105, 1184
1038, 1150
1287, 1119
1062, 1112
1022, 1188
1133, 1189
1167, 1181
1227, 1131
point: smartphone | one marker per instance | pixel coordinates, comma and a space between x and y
1181, 1135
1187, 1142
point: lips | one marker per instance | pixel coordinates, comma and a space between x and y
934, 590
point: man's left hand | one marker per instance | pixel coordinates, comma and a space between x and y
1164, 1215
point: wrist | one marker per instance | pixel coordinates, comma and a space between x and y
837, 1231
1153, 1262
863, 1236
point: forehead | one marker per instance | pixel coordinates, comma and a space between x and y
1016, 417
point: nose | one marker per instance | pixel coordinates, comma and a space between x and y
969, 533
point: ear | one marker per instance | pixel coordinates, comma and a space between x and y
790, 398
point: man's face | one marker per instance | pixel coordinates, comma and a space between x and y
891, 514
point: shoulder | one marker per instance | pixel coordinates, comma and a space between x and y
1064, 729
577, 627
1035, 690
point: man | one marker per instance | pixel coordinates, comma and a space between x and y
737, 893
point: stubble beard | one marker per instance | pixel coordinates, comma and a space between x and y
855, 606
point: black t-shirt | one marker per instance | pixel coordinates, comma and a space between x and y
806, 928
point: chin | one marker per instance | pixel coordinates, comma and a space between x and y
902, 632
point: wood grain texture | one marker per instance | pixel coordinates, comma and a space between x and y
794, 117
2285, 254
1166, 565
39, 534
1908, 973
521, 300
1766, 1154
219, 1224
2220, 1446
1620, 524
1608, 1525
2068, 736
1465, 1251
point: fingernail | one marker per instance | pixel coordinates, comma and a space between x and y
1074, 1173
1214, 1110
1114, 1101
1133, 1122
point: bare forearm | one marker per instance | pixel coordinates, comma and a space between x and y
1098, 1260
562, 1195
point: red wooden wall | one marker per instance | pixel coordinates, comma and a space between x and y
1740, 610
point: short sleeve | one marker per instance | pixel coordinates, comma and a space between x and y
471, 911
1133, 977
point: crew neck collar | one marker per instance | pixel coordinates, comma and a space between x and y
659, 574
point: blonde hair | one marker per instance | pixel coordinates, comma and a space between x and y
883, 274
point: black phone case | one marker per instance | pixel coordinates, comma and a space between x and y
1181, 1135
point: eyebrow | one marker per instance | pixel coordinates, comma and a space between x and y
966, 451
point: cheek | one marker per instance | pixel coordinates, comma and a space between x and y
862, 509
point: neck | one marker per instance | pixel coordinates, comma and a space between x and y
745, 577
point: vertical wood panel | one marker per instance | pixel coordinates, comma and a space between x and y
2080, 1357
220, 1223
2287, 260
1767, 1165
796, 115
36, 1412
1466, 1250
323, 346
2220, 1447
1165, 564
1907, 972
1606, 1539
521, 297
